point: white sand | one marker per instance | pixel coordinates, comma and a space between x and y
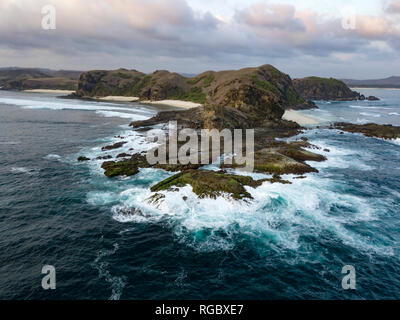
174, 103
295, 116
49, 91
118, 98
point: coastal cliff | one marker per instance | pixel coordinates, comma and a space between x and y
259, 87
316, 88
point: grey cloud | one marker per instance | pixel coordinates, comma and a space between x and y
172, 33
275, 17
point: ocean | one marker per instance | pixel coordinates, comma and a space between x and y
106, 241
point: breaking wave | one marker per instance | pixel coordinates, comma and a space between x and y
278, 216
104, 109
22, 170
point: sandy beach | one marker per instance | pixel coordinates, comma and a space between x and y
167, 103
174, 103
295, 116
118, 98
50, 91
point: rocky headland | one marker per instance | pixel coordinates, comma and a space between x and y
264, 85
251, 98
316, 88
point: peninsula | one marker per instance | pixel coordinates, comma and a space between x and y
250, 98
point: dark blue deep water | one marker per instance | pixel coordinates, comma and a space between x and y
290, 242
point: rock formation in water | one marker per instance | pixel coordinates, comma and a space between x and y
386, 131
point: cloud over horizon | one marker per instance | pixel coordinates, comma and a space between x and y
161, 34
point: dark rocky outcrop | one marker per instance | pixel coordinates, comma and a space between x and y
114, 146
82, 159
315, 88
127, 167
102, 83
104, 157
123, 155
207, 183
370, 129
277, 157
270, 156
210, 117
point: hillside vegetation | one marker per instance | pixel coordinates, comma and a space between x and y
24, 79
261, 86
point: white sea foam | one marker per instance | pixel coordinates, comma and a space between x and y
117, 283
135, 143
22, 170
394, 141
52, 157
278, 215
104, 109
339, 157
124, 115
100, 198
370, 114
365, 107
362, 120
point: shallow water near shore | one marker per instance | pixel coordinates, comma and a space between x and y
108, 242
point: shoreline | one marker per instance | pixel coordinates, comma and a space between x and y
167, 103
49, 91
293, 115
118, 98
290, 114
172, 103
161, 104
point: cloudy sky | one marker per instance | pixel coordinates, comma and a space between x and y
341, 38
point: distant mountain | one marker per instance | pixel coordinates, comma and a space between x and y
188, 75
391, 82
15, 78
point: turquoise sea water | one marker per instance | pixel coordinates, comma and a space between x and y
107, 241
